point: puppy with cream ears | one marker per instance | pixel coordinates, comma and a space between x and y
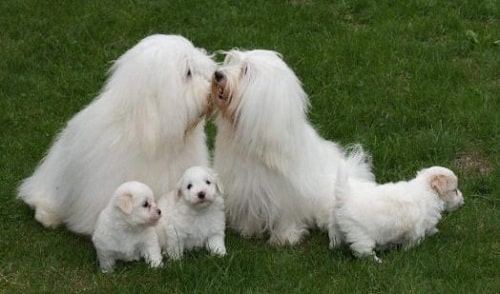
371, 216
125, 228
193, 214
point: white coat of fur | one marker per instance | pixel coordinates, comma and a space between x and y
371, 216
125, 227
278, 173
146, 125
190, 221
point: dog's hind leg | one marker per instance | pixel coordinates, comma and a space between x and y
365, 247
291, 234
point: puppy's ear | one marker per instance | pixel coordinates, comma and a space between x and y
125, 203
439, 184
218, 185
178, 189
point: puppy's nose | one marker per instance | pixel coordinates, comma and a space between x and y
218, 76
201, 195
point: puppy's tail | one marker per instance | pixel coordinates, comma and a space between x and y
358, 163
342, 188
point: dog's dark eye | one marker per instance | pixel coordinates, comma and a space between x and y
145, 204
189, 186
208, 182
244, 70
188, 73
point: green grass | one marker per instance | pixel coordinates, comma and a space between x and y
416, 82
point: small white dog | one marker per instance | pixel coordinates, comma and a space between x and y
147, 124
374, 216
193, 214
125, 228
277, 171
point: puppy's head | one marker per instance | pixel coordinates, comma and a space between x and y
445, 183
136, 203
199, 187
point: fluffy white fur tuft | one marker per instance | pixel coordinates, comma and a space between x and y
370, 216
193, 214
147, 124
277, 171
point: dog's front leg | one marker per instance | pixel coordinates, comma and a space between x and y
106, 261
152, 253
175, 248
215, 244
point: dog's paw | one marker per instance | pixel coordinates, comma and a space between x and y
156, 263
291, 236
219, 251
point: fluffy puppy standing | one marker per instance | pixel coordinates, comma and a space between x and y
125, 227
147, 124
370, 215
278, 173
193, 214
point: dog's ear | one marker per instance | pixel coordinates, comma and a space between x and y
178, 189
439, 184
125, 203
218, 185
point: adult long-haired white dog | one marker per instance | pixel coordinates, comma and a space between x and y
371, 216
193, 214
147, 124
125, 227
278, 173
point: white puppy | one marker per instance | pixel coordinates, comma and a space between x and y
193, 214
277, 171
125, 228
147, 124
375, 216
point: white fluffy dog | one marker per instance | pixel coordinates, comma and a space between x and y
278, 173
193, 214
147, 124
371, 216
125, 228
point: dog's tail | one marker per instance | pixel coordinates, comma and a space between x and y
358, 163
342, 189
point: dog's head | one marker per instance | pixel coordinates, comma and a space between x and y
136, 203
199, 187
445, 183
256, 83
262, 101
162, 85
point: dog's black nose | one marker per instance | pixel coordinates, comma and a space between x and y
218, 76
201, 195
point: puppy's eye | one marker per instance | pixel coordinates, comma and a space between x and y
244, 70
208, 182
189, 186
145, 204
188, 73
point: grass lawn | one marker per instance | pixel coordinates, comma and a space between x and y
416, 82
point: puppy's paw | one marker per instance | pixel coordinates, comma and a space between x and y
157, 263
219, 251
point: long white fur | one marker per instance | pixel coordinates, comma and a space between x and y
370, 216
145, 125
277, 171
189, 222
